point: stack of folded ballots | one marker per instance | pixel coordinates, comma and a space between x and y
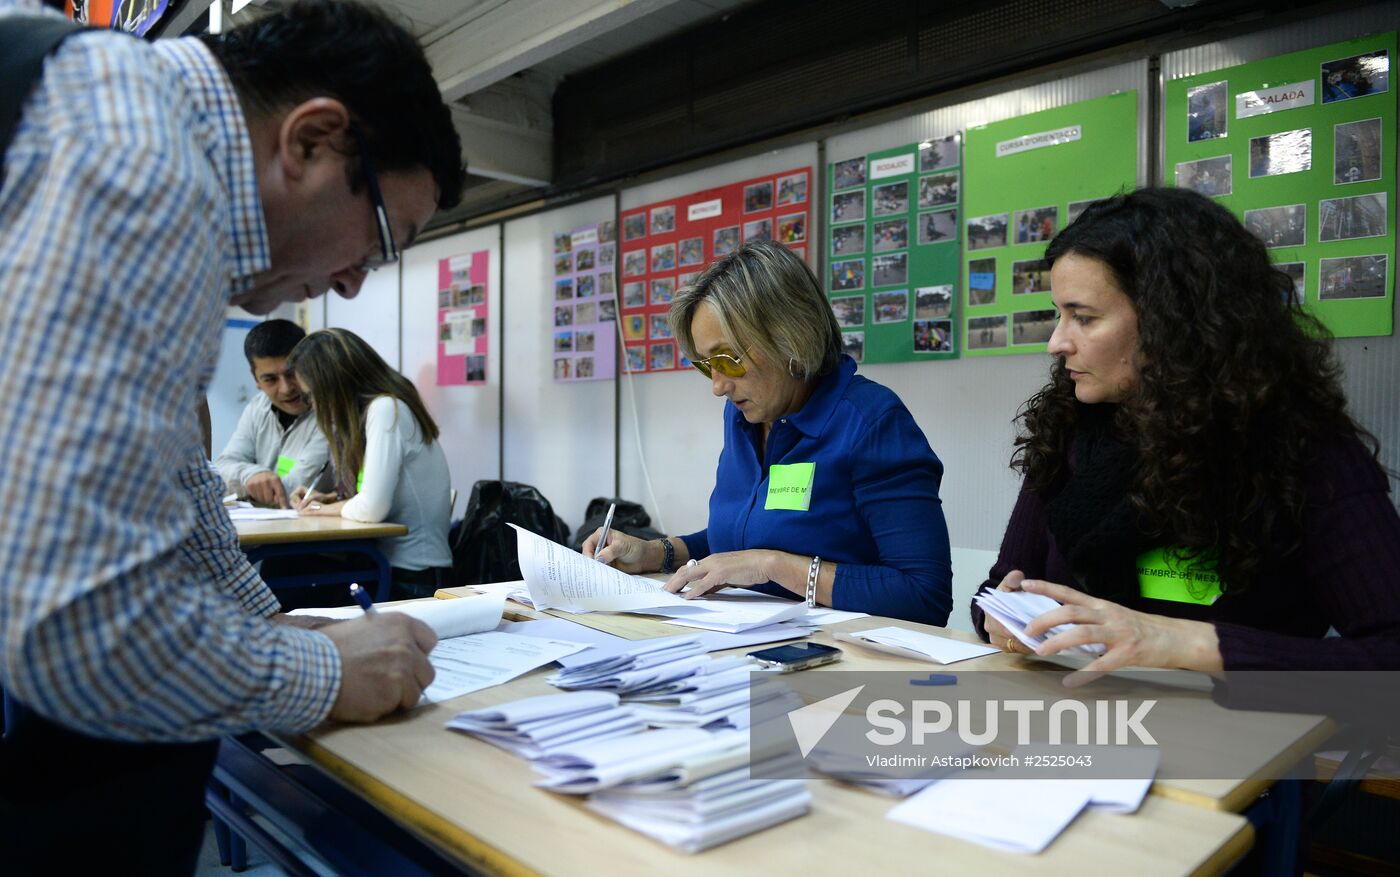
688, 788
1015, 609
535, 726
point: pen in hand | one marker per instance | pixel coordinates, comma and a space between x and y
607, 525
311, 486
362, 597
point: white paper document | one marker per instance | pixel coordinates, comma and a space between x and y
535, 726
252, 513
1015, 609
915, 644
470, 663
447, 618
1019, 816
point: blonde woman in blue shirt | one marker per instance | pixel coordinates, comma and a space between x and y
826, 488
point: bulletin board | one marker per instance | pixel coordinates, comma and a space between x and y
665, 245
584, 316
1302, 148
1026, 178
892, 250
463, 340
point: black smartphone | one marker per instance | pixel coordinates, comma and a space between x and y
796, 656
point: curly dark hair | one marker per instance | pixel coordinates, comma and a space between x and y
354, 53
1236, 382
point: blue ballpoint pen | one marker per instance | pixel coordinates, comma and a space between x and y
607, 525
362, 597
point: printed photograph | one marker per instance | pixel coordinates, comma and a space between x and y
1357, 76
663, 356
986, 333
564, 263
684, 280
1361, 216
584, 286
1279, 226
634, 327
444, 299
848, 173
758, 197
692, 251
1353, 277
660, 326
607, 254
891, 234
984, 232
847, 239
634, 295
583, 367
583, 342
849, 310
561, 369
445, 333
792, 190
636, 358
563, 242
932, 336
1209, 176
792, 229
1207, 112
563, 342
938, 154
563, 289
1036, 225
476, 369
1076, 208
890, 307
932, 302
634, 263
663, 219
848, 206
938, 227
607, 310
586, 313
854, 345
607, 231
476, 295
1298, 273
1287, 152
726, 240
1356, 153
1032, 327
938, 190
889, 199
1032, 275
585, 259
563, 316
982, 282
758, 230
607, 284
848, 274
634, 226
889, 270
663, 290
663, 258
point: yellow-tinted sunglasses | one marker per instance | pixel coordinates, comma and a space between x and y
726, 364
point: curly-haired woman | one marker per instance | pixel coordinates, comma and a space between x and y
1195, 492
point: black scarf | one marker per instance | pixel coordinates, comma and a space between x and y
1094, 526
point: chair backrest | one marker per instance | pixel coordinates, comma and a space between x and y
483, 544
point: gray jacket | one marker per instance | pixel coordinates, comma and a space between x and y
259, 442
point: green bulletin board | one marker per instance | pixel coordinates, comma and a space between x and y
1027, 178
892, 251
1302, 148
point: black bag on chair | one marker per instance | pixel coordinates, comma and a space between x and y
483, 546
630, 517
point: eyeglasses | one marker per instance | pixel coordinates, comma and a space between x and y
389, 253
726, 364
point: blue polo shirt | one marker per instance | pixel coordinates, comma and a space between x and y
872, 507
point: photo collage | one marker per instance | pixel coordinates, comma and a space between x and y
463, 340
1308, 166
584, 343
1026, 184
664, 246
892, 258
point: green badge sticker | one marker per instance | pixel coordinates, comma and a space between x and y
790, 486
1164, 575
285, 465
360, 481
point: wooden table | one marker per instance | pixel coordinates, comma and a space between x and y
318, 535
476, 804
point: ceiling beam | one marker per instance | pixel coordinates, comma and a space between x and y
511, 36
502, 151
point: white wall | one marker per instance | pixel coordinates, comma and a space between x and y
558, 437
373, 314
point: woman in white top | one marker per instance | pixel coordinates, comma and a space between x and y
389, 463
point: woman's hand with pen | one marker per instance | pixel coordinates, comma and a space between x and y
315, 502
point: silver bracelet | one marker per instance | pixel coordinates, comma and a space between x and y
812, 572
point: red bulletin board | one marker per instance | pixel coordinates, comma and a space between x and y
666, 244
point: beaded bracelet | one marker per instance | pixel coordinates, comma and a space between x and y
812, 572
668, 556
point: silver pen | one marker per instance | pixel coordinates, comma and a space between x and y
607, 525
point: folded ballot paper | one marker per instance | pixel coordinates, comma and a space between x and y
1015, 609
914, 644
535, 726
559, 578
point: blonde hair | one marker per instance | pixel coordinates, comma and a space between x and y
766, 299
344, 374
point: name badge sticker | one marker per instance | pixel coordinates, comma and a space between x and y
1164, 575
285, 465
790, 486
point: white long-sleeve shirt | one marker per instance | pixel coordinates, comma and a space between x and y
407, 482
